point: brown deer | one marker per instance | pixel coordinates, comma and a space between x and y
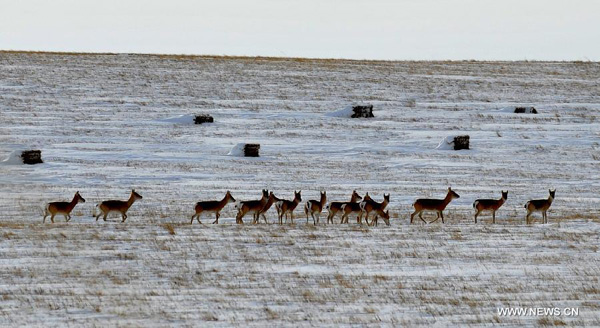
369, 205
120, 206
251, 206
491, 205
315, 207
353, 208
63, 208
334, 207
288, 206
270, 201
212, 206
540, 205
433, 205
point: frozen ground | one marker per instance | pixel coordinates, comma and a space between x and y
107, 124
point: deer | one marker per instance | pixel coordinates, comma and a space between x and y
64, 208
369, 205
120, 206
353, 208
214, 206
491, 205
251, 206
540, 205
433, 205
270, 201
288, 206
334, 207
314, 206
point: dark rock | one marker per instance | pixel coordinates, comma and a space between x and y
461, 142
32, 157
362, 111
204, 118
251, 150
526, 110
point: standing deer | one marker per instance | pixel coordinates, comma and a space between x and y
251, 206
540, 205
314, 206
120, 206
272, 199
353, 208
492, 205
214, 206
334, 207
369, 205
433, 205
63, 208
288, 206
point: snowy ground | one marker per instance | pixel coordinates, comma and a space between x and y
107, 124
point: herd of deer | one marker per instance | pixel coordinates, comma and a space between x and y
359, 206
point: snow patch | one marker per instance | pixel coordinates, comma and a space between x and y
237, 150
446, 144
14, 158
346, 112
179, 119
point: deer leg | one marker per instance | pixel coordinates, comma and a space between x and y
125, 217
527, 217
494, 217
476, 214
421, 217
105, 215
216, 221
442, 215
67, 217
52, 218
306, 212
437, 218
343, 217
545, 220
191, 221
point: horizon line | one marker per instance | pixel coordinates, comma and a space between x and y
193, 56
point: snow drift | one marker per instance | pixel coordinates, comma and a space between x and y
179, 119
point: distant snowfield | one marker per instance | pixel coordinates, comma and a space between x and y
107, 124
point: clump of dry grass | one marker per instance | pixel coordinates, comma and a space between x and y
170, 228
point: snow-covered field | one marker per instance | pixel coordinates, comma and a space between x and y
110, 123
